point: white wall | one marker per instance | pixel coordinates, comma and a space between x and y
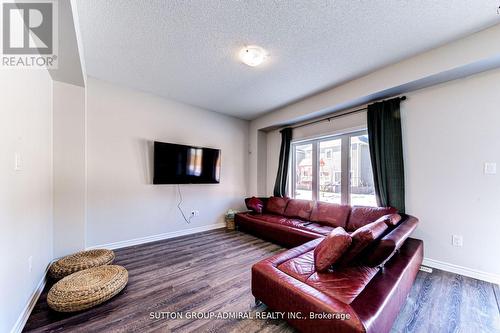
449, 131
69, 168
122, 204
25, 195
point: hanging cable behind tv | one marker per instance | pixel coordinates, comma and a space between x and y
187, 219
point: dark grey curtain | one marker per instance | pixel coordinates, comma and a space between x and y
281, 177
386, 152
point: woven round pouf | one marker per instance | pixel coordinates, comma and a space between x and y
80, 261
85, 289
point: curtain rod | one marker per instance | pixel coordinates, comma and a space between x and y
337, 115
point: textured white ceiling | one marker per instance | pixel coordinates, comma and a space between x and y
186, 50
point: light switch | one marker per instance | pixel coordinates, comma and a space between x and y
490, 168
18, 163
457, 240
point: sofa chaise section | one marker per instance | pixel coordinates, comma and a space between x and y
349, 299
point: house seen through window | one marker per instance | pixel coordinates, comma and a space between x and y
333, 169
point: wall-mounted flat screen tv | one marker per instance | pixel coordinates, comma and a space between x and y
180, 164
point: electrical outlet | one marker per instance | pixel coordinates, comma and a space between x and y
30, 264
195, 213
457, 240
18, 162
426, 269
490, 168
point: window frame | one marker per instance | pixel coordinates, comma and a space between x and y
345, 158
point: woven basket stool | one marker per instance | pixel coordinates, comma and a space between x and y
85, 289
80, 261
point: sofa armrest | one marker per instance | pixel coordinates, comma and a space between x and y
391, 243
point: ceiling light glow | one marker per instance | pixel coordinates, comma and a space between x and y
253, 55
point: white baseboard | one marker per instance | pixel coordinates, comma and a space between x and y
473, 273
25, 314
154, 238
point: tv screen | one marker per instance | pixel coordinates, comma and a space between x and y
180, 164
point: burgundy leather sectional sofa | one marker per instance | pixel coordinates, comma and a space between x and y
364, 296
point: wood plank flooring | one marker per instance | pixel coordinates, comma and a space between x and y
447, 302
211, 272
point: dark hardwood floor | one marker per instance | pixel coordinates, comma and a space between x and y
211, 272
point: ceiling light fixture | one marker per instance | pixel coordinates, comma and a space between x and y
253, 55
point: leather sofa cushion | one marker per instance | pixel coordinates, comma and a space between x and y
317, 228
390, 243
331, 249
282, 292
255, 204
362, 215
343, 284
279, 219
295, 223
307, 226
331, 214
270, 218
361, 239
276, 205
301, 267
300, 209
274, 228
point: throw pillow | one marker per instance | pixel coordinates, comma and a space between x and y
331, 249
255, 204
361, 239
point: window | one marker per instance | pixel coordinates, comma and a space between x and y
333, 169
361, 187
302, 155
330, 170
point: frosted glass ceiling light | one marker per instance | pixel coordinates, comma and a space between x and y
253, 55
